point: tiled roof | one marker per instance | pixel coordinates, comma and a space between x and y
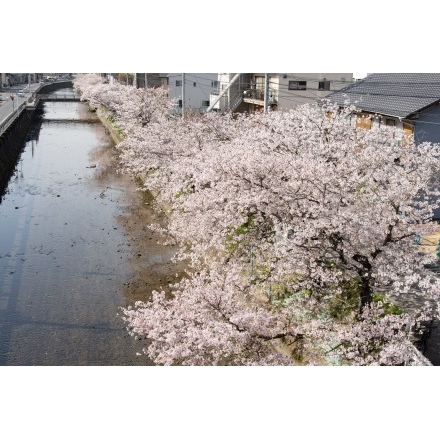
392, 94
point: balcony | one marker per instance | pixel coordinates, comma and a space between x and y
256, 96
249, 95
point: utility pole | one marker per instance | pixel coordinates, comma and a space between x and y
146, 82
183, 95
266, 92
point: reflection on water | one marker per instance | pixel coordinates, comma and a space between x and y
63, 254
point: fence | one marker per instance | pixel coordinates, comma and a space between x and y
8, 121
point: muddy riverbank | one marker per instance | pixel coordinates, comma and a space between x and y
150, 258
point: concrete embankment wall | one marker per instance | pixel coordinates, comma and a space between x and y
103, 116
49, 88
11, 145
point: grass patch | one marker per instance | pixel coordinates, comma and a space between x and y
388, 307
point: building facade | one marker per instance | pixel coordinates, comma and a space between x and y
13, 79
246, 92
191, 91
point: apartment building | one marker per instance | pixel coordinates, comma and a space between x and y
245, 92
191, 91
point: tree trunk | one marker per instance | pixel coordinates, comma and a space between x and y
365, 280
365, 293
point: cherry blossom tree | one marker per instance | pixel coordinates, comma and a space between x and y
297, 230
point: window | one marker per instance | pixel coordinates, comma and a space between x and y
180, 103
363, 121
214, 83
324, 85
178, 82
194, 84
408, 131
390, 123
205, 103
297, 85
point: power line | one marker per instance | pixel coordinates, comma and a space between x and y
288, 76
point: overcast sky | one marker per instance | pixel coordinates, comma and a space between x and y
359, 75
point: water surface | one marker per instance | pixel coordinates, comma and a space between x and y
64, 254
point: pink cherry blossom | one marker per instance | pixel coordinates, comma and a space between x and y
292, 225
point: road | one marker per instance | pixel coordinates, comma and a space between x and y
8, 105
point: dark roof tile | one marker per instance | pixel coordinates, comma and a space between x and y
392, 94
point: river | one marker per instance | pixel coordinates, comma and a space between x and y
74, 247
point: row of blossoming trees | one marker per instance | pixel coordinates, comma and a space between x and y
292, 226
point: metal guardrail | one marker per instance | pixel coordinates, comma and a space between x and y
258, 94
12, 117
243, 94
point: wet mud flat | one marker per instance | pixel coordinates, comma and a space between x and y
150, 259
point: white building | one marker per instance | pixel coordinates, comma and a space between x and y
192, 91
244, 92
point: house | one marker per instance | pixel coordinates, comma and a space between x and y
150, 79
245, 92
410, 102
191, 90
295, 89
